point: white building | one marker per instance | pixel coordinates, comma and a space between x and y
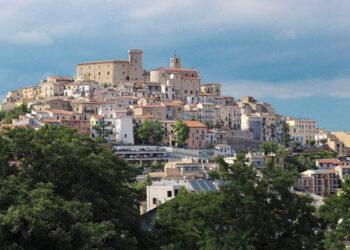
124, 130
163, 191
225, 150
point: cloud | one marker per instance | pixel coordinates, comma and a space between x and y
338, 87
172, 18
30, 38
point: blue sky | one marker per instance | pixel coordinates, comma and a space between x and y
294, 54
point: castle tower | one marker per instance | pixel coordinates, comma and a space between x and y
175, 62
136, 69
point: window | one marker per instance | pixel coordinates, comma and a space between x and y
99, 73
155, 200
107, 72
170, 194
125, 136
176, 192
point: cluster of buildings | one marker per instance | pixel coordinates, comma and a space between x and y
326, 178
119, 94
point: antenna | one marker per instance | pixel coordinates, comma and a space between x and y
175, 53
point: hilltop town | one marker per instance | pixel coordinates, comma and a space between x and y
111, 100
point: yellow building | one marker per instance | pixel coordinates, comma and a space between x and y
211, 88
301, 130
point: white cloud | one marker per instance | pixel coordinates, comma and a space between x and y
338, 87
30, 38
171, 18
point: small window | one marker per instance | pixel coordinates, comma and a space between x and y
99, 73
107, 72
155, 200
170, 194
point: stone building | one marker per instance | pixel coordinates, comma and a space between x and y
301, 130
114, 71
185, 81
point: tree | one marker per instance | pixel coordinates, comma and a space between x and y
324, 141
101, 130
2, 115
208, 125
210, 145
141, 187
312, 142
15, 113
251, 211
182, 132
64, 191
218, 125
335, 213
150, 132
269, 147
285, 134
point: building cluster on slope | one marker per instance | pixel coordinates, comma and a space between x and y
121, 94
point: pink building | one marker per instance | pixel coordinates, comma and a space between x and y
198, 135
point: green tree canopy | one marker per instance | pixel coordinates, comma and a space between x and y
7, 116
64, 191
335, 213
312, 142
182, 132
150, 132
285, 134
101, 129
252, 211
269, 147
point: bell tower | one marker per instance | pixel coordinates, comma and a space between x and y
175, 62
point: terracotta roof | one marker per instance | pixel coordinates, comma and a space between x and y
194, 124
328, 161
211, 131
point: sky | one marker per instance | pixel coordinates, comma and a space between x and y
294, 54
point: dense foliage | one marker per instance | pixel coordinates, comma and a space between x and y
150, 132
335, 213
60, 190
182, 132
252, 211
7, 116
307, 160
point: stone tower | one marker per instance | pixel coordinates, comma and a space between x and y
175, 62
136, 69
